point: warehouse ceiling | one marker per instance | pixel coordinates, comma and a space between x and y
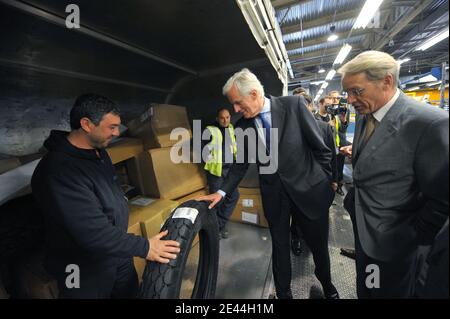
146, 44
398, 28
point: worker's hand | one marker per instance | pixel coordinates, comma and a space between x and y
332, 123
334, 186
162, 250
347, 151
212, 198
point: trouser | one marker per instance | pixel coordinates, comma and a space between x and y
377, 279
116, 282
227, 204
315, 234
295, 229
340, 161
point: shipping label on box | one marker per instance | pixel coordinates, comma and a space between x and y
142, 201
249, 217
247, 202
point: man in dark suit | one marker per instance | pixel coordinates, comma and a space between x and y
329, 140
301, 183
400, 172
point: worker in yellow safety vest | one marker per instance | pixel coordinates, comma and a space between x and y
341, 122
222, 154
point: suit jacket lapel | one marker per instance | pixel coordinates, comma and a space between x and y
387, 127
359, 130
278, 114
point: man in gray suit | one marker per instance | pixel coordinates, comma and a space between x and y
400, 163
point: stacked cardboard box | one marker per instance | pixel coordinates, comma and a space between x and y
139, 263
124, 148
151, 216
157, 122
162, 178
146, 218
249, 209
193, 195
34, 281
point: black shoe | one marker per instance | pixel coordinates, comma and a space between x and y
331, 293
224, 233
296, 246
339, 191
348, 252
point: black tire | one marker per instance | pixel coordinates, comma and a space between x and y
163, 281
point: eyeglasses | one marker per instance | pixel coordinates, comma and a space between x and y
354, 92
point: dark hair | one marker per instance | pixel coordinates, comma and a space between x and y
299, 90
322, 100
92, 106
308, 98
222, 109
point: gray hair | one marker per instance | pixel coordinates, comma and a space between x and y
375, 64
245, 82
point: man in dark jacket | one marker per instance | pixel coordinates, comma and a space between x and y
86, 215
294, 173
328, 137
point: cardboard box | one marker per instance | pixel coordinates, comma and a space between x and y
35, 282
157, 122
9, 164
249, 208
125, 148
193, 195
152, 216
161, 178
139, 263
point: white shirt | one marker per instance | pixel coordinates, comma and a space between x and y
381, 112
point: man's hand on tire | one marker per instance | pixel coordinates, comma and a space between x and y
212, 198
162, 250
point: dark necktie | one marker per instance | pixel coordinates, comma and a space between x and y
266, 126
371, 124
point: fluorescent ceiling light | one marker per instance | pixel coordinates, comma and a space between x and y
330, 75
367, 13
324, 85
413, 88
436, 39
321, 70
320, 91
317, 82
427, 78
333, 37
345, 50
401, 61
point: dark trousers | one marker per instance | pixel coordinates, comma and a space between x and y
315, 234
119, 282
340, 161
227, 205
397, 278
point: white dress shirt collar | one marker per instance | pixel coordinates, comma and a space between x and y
381, 113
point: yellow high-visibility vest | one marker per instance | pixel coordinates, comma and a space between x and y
338, 140
214, 163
